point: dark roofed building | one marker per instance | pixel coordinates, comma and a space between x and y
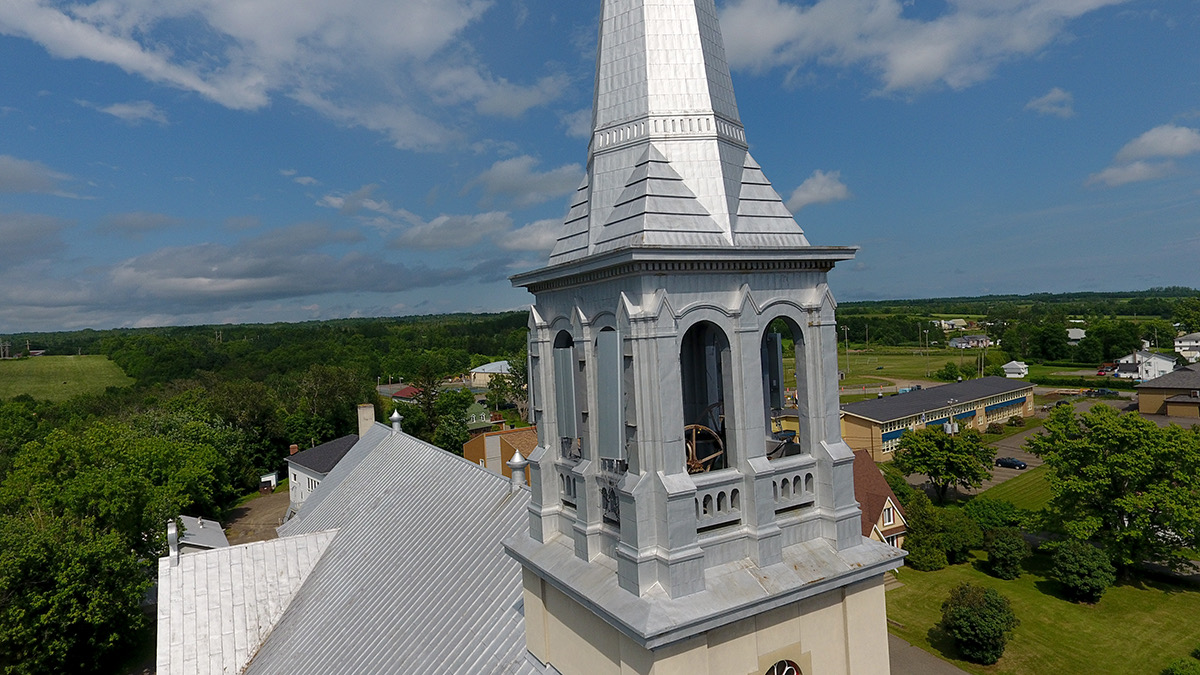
1176, 394
307, 468
882, 516
875, 425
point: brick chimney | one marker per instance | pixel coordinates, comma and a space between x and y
366, 418
293, 449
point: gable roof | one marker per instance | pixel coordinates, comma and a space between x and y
872, 491
935, 398
1187, 377
325, 456
202, 533
495, 367
416, 580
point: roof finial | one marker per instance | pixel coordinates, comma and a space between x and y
396, 418
517, 465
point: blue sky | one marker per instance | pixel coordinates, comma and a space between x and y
211, 161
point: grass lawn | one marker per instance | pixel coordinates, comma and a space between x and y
57, 378
1136, 628
1029, 491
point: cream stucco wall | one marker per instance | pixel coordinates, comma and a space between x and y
842, 631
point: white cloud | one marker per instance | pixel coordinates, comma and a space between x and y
538, 236
1134, 172
1057, 102
518, 180
23, 176
1167, 140
819, 188
306, 180
28, 236
578, 124
385, 65
135, 112
454, 231
1130, 164
959, 48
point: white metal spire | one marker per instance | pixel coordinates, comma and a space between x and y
668, 164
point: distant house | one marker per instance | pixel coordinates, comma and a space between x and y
307, 468
1144, 365
1188, 346
407, 394
882, 517
1176, 393
1015, 369
480, 419
493, 449
970, 341
482, 376
1074, 335
951, 324
201, 535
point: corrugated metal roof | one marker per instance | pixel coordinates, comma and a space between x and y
216, 607
896, 407
416, 580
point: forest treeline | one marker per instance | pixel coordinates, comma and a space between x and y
87, 485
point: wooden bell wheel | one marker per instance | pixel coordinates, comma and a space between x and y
704, 448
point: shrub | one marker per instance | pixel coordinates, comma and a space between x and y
995, 428
1016, 421
1084, 570
1006, 550
980, 621
991, 514
960, 534
1182, 666
924, 555
1196, 653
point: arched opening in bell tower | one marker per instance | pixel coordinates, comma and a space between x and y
565, 410
705, 367
785, 403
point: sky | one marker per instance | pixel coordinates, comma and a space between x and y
235, 161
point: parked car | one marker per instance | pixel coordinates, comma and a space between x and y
1010, 463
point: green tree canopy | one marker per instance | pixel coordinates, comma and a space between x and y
1123, 482
946, 459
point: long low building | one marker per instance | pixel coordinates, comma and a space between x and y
875, 425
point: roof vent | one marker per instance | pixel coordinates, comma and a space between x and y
396, 419
517, 465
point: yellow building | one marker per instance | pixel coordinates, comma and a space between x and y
1176, 394
875, 425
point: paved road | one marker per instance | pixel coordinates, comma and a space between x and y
909, 660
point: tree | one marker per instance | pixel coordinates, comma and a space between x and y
1187, 313
992, 514
1007, 550
1123, 482
946, 459
949, 373
960, 534
924, 537
1083, 570
980, 621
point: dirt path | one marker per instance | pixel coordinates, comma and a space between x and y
257, 519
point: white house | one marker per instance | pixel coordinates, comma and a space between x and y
1146, 365
1074, 335
1015, 369
1188, 346
307, 468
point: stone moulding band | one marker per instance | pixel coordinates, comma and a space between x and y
676, 267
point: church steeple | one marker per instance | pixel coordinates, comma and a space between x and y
679, 522
668, 163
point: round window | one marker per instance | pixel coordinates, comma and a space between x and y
784, 667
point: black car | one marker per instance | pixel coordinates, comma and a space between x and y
1010, 463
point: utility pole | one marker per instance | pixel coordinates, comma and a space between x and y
4, 349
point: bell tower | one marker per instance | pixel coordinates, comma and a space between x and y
677, 523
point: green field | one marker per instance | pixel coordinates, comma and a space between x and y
57, 378
1135, 628
1029, 491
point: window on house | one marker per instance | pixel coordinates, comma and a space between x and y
312, 484
889, 516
